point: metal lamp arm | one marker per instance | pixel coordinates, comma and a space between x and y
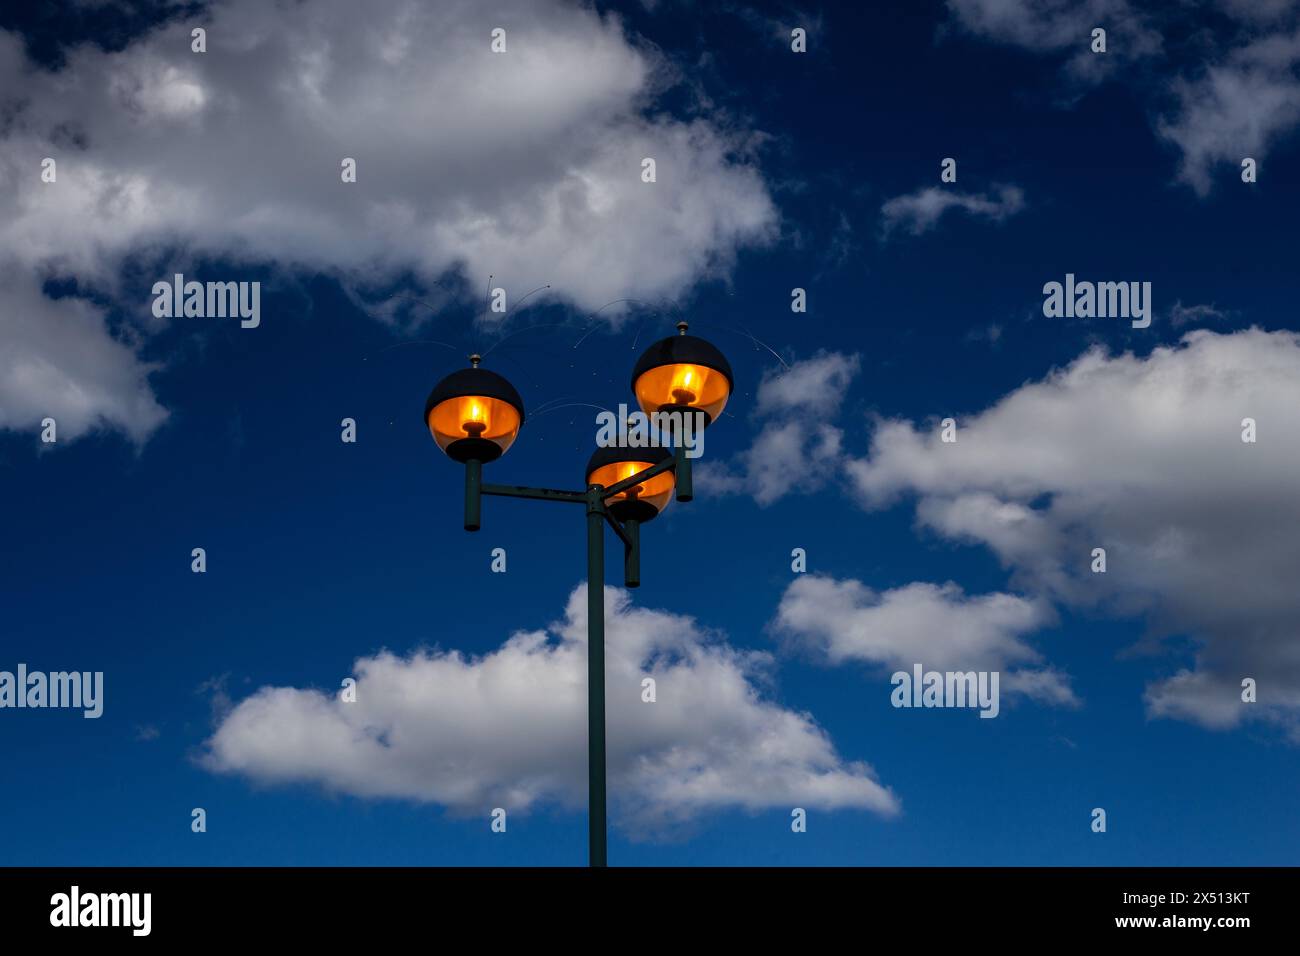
619, 529
544, 494
621, 486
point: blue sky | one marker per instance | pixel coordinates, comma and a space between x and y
775, 167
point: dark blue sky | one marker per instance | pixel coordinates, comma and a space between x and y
320, 552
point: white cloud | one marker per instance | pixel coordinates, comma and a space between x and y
1246, 96
526, 165
1180, 315
1202, 697
1141, 456
1063, 27
1038, 24
937, 626
1259, 11
57, 360
919, 212
797, 447
991, 334
817, 385
509, 728
786, 456
1236, 108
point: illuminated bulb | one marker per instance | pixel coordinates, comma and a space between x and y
626, 470
474, 417
686, 385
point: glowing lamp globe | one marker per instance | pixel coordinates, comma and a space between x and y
682, 373
608, 466
474, 414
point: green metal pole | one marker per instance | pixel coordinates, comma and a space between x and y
685, 486
632, 554
473, 497
596, 676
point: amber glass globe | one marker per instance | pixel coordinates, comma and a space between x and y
474, 413
642, 502
682, 372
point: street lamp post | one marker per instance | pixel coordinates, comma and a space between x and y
475, 415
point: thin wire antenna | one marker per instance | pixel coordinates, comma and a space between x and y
641, 328
757, 342
527, 328
525, 298
487, 301
616, 302
591, 328
521, 368
407, 295
411, 298
602, 309
542, 407
556, 408
512, 312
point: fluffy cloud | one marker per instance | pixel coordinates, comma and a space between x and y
1236, 108
919, 212
1039, 24
816, 385
796, 405
785, 456
1259, 11
1242, 96
526, 164
937, 626
440, 727
1180, 315
1063, 27
1144, 457
58, 360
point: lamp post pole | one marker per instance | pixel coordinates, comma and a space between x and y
474, 414
598, 515
596, 676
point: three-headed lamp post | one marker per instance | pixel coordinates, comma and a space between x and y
475, 415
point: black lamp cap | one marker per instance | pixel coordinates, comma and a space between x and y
628, 509
619, 453
682, 350
474, 381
